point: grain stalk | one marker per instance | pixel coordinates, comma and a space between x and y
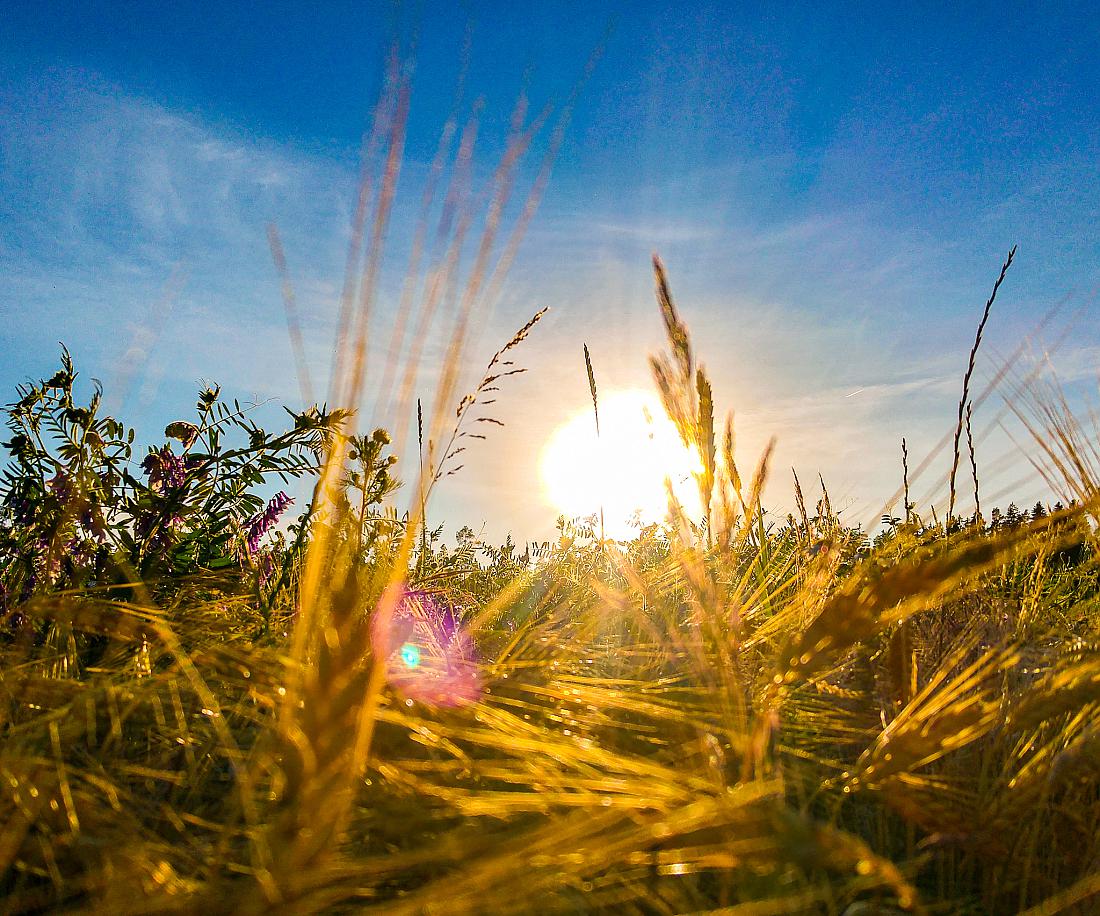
596, 414
905, 481
973, 463
964, 400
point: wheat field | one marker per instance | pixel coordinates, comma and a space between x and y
214, 702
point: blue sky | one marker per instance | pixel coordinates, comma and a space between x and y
833, 191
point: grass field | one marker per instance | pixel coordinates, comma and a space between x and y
206, 712
217, 701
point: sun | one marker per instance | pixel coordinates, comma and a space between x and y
623, 470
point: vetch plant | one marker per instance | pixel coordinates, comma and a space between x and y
78, 509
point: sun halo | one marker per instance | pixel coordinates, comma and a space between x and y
622, 470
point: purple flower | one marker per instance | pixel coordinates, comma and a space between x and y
165, 469
21, 508
59, 486
268, 569
261, 524
92, 522
164, 535
427, 654
79, 552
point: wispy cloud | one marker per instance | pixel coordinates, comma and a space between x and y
651, 233
107, 197
823, 325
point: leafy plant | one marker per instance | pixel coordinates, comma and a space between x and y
80, 512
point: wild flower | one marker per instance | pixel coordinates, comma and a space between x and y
21, 508
157, 530
267, 568
428, 655
165, 469
91, 520
60, 486
262, 523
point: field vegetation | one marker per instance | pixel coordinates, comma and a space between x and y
213, 700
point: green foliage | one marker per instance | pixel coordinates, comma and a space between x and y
78, 512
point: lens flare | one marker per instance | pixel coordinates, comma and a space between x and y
427, 654
410, 655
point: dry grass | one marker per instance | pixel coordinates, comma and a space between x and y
720, 716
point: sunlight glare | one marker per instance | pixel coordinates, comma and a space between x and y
623, 471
